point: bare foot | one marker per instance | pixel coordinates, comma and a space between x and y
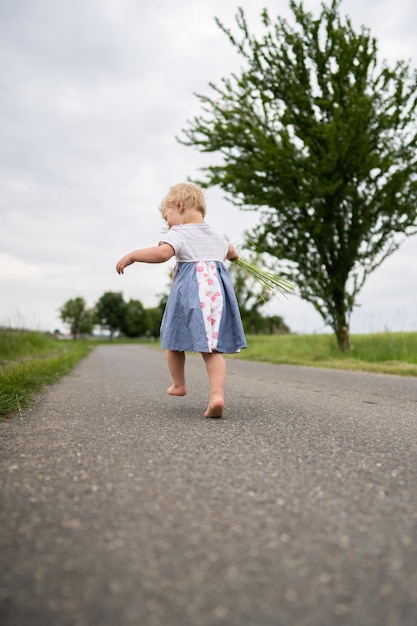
215, 407
176, 391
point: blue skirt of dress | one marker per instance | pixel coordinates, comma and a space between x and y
183, 326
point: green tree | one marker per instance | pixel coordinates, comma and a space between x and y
110, 311
80, 319
135, 319
255, 323
321, 139
153, 321
154, 316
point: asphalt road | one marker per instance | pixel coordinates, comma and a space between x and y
122, 506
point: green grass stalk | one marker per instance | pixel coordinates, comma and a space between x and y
29, 361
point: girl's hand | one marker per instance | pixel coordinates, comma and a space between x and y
124, 262
232, 254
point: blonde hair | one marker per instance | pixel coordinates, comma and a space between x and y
190, 195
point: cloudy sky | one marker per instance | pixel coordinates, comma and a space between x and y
93, 95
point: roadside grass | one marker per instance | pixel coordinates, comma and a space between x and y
387, 353
31, 360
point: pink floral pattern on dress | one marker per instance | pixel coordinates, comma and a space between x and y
211, 300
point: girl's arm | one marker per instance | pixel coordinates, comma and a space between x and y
156, 254
232, 254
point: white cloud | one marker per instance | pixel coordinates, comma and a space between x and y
93, 95
15, 269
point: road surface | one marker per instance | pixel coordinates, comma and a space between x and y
122, 506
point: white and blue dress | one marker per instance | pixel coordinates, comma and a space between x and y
202, 313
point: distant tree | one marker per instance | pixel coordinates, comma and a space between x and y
154, 316
322, 141
80, 319
135, 319
110, 312
153, 321
275, 325
255, 323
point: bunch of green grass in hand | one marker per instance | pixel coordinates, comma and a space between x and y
271, 284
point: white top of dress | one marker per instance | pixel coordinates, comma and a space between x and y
196, 242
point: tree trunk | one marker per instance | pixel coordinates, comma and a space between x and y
343, 338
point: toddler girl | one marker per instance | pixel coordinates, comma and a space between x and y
202, 313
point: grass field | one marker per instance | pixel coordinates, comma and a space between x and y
31, 360
388, 353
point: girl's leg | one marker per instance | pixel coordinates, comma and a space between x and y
176, 365
216, 370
